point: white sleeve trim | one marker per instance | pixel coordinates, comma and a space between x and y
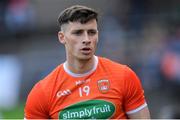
137, 109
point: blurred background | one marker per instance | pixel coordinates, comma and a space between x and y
144, 34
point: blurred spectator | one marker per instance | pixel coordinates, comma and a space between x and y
171, 58
19, 16
152, 45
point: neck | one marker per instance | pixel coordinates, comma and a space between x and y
80, 66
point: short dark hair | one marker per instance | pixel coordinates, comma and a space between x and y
77, 13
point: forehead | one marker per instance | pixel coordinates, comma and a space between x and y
92, 24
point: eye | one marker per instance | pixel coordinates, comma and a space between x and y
78, 32
92, 32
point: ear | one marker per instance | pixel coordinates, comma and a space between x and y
98, 36
61, 37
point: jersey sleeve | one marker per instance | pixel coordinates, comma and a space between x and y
134, 94
36, 104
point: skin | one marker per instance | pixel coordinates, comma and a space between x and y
142, 114
76, 36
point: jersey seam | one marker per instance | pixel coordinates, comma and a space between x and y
124, 91
44, 96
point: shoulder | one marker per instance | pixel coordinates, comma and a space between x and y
38, 100
107, 63
117, 69
51, 77
45, 85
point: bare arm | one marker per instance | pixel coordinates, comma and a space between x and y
142, 114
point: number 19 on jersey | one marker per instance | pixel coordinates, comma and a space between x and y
84, 91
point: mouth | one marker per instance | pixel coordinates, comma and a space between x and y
86, 50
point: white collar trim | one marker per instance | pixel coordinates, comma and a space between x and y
83, 74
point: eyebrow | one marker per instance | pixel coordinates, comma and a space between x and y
84, 29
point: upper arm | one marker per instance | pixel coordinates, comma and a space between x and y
141, 114
134, 100
36, 104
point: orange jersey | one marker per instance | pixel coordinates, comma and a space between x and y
109, 90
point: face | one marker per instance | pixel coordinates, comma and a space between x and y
80, 40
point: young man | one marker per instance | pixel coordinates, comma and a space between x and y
86, 86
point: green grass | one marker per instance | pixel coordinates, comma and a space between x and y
15, 113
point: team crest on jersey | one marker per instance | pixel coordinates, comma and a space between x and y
103, 85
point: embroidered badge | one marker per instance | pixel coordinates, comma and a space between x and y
103, 85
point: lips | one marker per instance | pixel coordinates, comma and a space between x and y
86, 50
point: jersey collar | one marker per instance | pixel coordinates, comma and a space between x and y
83, 74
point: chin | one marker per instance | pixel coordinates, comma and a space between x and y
85, 57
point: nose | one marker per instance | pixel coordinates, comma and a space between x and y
86, 39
